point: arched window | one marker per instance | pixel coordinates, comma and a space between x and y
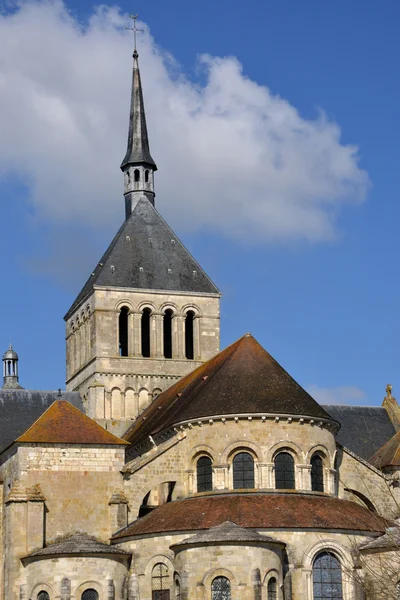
146, 176
243, 471
284, 471
221, 589
327, 577
272, 589
189, 335
90, 594
167, 333
146, 332
123, 331
160, 582
136, 175
43, 595
177, 589
317, 473
204, 474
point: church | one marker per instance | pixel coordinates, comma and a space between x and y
169, 469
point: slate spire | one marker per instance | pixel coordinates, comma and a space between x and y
138, 165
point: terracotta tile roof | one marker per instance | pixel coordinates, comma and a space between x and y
389, 454
258, 511
78, 543
241, 379
63, 423
225, 533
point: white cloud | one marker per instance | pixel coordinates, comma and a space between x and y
232, 156
337, 395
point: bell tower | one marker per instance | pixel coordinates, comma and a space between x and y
148, 314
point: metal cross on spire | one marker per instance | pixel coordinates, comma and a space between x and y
134, 29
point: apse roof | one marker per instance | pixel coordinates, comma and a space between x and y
242, 379
258, 511
146, 254
77, 543
63, 423
225, 533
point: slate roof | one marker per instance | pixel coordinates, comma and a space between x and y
390, 539
388, 455
20, 408
241, 379
364, 429
63, 423
138, 148
78, 543
225, 533
146, 254
258, 511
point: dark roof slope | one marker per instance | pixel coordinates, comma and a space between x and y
146, 254
63, 423
389, 454
227, 532
78, 543
20, 408
258, 511
241, 379
389, 540
364, 429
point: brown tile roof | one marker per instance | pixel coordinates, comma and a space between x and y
389, 454
258, 511
63, 423
241, 379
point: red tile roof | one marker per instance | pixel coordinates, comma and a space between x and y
389, 454
241, 379
63, 423
259, 511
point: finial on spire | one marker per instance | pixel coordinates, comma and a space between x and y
389, 391
135, 29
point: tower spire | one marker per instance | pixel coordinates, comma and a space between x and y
138, 165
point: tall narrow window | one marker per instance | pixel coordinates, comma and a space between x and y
43, 596
284, 471
243, 471
272, 591
160, 582
189, 337
204, 474
221, 589
146, 332
167, 332
123, 331
177, 589
136, 175
317, 473
90, 594
146, 176
327, 577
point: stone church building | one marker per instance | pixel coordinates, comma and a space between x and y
169, 469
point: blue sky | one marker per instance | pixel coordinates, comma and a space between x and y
318, 288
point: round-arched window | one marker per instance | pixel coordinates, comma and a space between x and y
221, 589
90, 594
284, 471
317, 473
43, 595
243, 471
272, 589
327, 577
204, 474
160, 582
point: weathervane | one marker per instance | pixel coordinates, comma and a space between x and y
134, 28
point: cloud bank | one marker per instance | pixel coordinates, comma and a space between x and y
337, 395
232, 156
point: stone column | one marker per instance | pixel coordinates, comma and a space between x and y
220, 477
196, 338
175, 336
110, 589
118, 504
15, 535
329, 481
65, 588
181, 337
133, 587
115, 350
131, 334
137, 334
23, 592
35, 519
303, 477
190, 481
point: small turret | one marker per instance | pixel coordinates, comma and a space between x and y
10, 369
